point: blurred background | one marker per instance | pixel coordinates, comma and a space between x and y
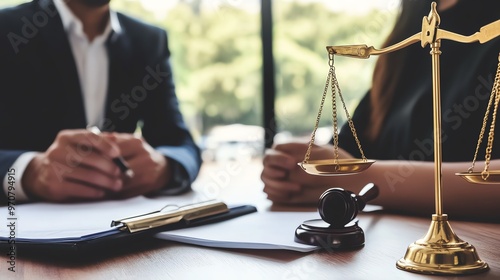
216, 50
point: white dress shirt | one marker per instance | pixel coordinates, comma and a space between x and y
92, 64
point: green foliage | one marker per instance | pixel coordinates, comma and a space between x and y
219, 62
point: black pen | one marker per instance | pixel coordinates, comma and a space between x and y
119, 161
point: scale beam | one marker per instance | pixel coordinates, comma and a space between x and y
430, 33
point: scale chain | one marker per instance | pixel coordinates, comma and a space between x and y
495, 94
334, 119
325, 91
496, 90
349, 119
481, 134
332, 80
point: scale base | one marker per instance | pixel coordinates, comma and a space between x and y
319, 233
441, 252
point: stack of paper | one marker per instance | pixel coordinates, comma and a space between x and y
53, 223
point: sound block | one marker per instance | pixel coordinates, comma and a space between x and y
319, 233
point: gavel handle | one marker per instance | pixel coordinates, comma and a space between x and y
369, 192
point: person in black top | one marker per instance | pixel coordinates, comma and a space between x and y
395, 126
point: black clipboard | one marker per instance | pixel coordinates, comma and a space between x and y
116, 236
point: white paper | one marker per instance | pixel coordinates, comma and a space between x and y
260, 230
55, 220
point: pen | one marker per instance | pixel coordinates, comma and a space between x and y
119, 161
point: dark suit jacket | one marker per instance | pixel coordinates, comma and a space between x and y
40, 92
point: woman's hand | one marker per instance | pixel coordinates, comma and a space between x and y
286, 182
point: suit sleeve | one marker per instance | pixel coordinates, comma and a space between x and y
10, 42
163, 126
7, 159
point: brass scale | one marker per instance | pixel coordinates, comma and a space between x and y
441, 251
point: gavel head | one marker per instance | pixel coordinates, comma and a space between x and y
338, 207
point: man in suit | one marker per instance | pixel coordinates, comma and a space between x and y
66, 65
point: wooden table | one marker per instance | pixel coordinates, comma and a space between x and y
387, 237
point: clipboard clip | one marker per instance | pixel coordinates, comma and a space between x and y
160, 218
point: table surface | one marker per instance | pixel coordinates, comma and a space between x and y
387, 237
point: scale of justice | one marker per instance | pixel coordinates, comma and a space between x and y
440, 251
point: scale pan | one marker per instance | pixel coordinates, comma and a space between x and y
477, 178
332, 167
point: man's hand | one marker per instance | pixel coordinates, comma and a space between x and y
151, 169
77, 166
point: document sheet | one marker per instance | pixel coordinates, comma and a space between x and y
260, 230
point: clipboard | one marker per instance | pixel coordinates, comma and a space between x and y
133, 229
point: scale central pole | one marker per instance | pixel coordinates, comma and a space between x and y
436, 93
440, 251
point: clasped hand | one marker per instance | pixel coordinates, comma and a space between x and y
78, 166
286, 182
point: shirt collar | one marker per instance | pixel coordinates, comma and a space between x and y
72, 24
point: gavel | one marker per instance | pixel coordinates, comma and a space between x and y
338, 207
337, 228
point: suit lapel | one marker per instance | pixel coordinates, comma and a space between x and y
120, 54
59, 50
